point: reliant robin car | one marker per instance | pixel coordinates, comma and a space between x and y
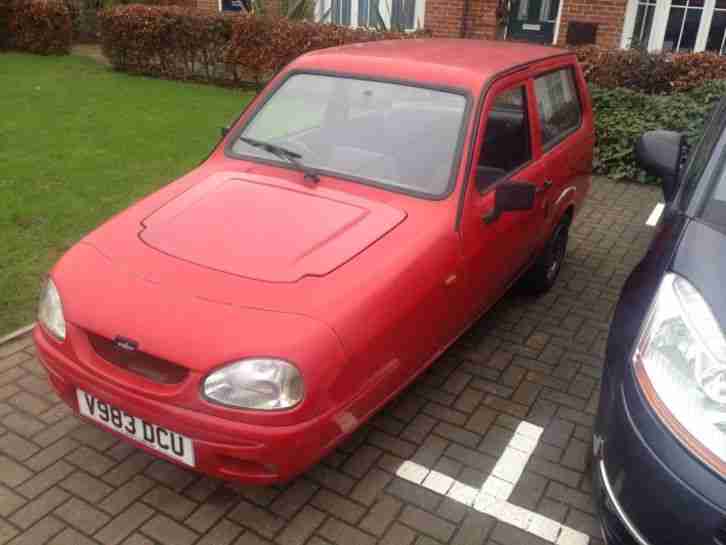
660, 435
368, 206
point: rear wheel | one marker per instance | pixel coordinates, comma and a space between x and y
543, 274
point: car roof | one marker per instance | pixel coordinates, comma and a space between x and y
443, 62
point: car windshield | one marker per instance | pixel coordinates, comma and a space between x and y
398, 136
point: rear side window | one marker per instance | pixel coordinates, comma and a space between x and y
559, 107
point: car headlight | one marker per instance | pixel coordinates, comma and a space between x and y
50, 311
680, 362
258, 383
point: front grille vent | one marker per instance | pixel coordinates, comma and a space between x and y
150, 367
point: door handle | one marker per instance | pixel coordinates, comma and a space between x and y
545, 186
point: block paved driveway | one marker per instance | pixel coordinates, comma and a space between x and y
487, 447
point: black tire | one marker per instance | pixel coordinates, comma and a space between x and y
543, 274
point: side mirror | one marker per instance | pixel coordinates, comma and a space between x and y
659, 154
512, 197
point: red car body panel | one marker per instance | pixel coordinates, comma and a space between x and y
361, 287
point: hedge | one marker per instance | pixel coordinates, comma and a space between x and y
166, 41
40, 26
183, 43
622, 115
650, 73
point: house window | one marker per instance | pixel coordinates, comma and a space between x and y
683, 24
676, 25
340, 12
388, 14
717, 34
643, 23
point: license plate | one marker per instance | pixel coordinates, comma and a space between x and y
170, 443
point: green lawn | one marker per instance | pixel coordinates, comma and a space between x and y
79, 143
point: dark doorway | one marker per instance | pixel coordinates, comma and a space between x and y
533, 20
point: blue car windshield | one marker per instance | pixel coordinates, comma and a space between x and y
400, 137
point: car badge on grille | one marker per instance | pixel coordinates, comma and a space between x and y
125, 343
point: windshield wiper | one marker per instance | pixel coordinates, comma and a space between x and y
283, 153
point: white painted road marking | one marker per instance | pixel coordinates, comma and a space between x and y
655, 215
493, 495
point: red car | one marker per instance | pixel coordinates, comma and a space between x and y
365, 209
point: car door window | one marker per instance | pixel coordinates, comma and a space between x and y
507, 144
558, 104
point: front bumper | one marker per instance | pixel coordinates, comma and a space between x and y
226, 449
648, 488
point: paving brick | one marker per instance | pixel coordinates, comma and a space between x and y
471, 458
215, 506
9, 501
45, 479
427, 523
341, 533
570, 496
35, 510
166, 531
133, 465
430, 451
439, 412
362, 460
57, 431
582, 522
248, 538
83, 485
82, 516
259, 520
331, 478
481, 420
558, 432
127, 494
169, 502
526, 393
457, 434
291, 500
69, 536
138, 539
124, 524
51, 454
169, 474
398, 535
506, 406
575, 456
474, 529
91, 461
41, 532
92, 436
7, 532
23, 424
414, 494
12, 473
370, 488
223, 533
554, 471
381, 515
301, 527
418, 428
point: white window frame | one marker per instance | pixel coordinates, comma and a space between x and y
321, 6
660, 22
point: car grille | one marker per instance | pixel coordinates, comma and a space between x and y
137, 362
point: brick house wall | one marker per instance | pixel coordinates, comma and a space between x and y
608, 14
445, 18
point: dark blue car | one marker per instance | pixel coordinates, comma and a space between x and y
659, 462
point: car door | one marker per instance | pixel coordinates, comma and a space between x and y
506, 151
566, 137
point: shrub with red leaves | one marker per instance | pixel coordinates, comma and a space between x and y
650, 73
184, 43
41, 26
262, 46
166, 41
5, 12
